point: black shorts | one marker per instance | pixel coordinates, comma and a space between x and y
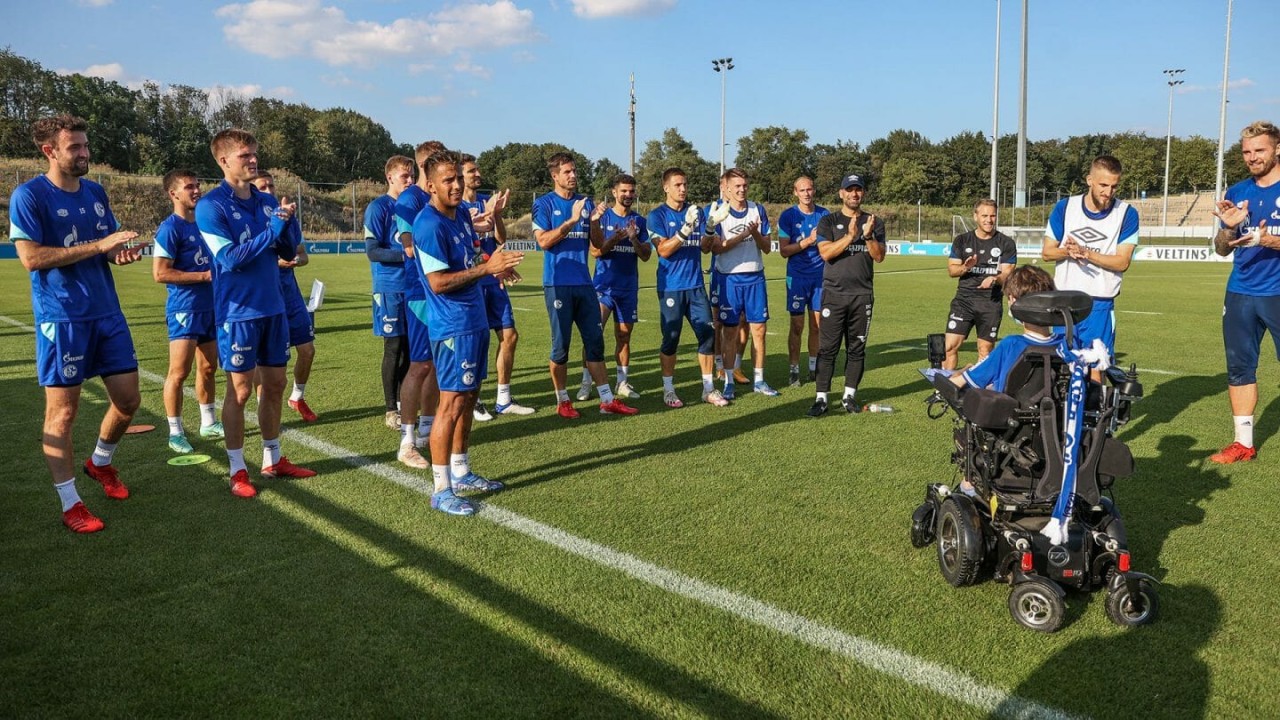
971, 312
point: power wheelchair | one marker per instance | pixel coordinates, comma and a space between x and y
1010, 447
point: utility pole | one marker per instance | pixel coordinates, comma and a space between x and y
633, 124
722, 66
1168, 143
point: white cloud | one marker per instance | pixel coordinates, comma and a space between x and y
1231, 85
95, 3
424, 100
218, 93
464, 65
106, 71
592, 9
419, 68
288, 28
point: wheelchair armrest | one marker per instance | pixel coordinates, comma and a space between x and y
988, 408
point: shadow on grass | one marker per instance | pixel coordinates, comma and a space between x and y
657, 675
1081, 678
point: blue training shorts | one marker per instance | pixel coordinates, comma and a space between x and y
420, 349
674, 306
569, 305
1244, 320
744, 294
68, 353
497, 307
624, 304
804, 291
388, 315
245, 344
301, 329
462, 361
1100, 325
198, 326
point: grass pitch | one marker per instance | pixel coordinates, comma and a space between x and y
346, 595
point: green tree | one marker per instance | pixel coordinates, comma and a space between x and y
672, 150
27, 93
773, 157
108, 108
832, 162
1143, 161
603, 171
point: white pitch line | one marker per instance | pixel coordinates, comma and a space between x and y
876, 656
1139, 312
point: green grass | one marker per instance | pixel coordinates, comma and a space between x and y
346, 595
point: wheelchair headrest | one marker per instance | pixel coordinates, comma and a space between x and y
1046, 308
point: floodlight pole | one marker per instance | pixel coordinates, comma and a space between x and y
1222, 115
633, 124
1168, 144
995, 111
1020, 183
722, 66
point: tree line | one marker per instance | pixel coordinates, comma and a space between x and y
153, 129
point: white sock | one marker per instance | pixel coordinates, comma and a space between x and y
406, 434
1244, 429
459, 464
298, 390
67, 493
813, 363
849, 392
562, 396
440, 476
504, 394
759, 375
208, 415
737, 361
622, 374
103, 453
606, 395
270, 452
821, 396
175, 426
586, 377
719, 364
235, 459
668, 383
708, 383
795, 368
424, 425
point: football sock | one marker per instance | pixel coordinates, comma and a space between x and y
103, 453
440, 476
813, 363
606, 395
424, 425
622, 374
175, 426
668, 383
1244, 429
67, 493
504, 394
586, 376
850, 392
207, 415
737, 361
708, 383
759, 375
406, 434
298, 389
459, 464
821, 396
235, 460
270, 452
562, 396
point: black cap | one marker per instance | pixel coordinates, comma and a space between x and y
854, 180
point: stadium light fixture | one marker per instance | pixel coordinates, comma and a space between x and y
722, 66
1173, 82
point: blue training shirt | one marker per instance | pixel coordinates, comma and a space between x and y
993, 370
179, 241
380, 233
442, 244
409, 204
795, 225
566, 263
683, 270
482, 244
245, 238
289, 289
1257, 269
618, 269
43, 213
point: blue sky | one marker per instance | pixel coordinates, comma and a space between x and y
477, 73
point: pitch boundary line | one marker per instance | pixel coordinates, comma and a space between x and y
876, 656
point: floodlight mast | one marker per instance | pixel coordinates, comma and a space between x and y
722, 66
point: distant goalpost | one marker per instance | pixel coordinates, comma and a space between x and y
959, 225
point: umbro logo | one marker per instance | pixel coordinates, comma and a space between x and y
1088, 235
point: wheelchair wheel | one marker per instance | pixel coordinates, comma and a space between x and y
1036, 605
1126, 610
959, 541
923, 524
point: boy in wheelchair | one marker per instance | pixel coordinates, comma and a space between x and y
1035, 452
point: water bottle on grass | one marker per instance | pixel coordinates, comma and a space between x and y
877, 408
